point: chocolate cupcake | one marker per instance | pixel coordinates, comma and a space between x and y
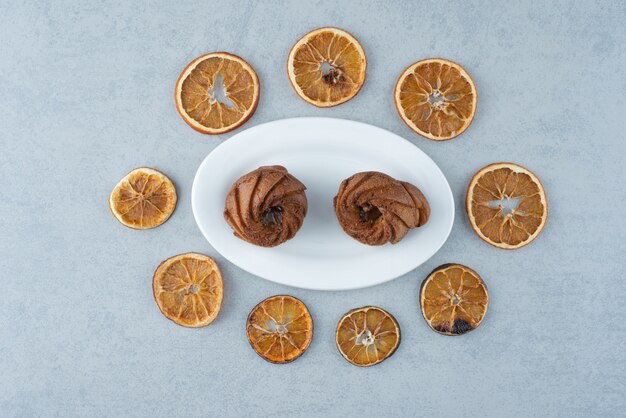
266, 207
374, 208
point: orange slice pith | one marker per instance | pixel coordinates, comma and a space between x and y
436, 98
188, 289
367, 336
197, 99
454, 299
326, 67
506, 184
280, 329
145, 198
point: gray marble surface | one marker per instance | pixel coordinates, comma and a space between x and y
86, 95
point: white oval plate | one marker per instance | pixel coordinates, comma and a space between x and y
321, 152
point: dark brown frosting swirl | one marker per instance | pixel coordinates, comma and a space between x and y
266, 207
375, 208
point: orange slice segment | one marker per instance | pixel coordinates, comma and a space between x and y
436, 98
506, 205
216, 93
367, 336
143, 199
188, 289
326, 67
454, 299
280, 329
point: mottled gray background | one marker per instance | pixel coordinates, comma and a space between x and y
86, 95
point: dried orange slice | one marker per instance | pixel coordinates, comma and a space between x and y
367, 336
217, 93
188, 289
326, 67
436, 98
454, 299
280, 329
143, 199
506, 205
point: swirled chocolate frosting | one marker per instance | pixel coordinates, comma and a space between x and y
375, 208
266, 207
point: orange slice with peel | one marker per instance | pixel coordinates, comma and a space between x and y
217, 92
506, 205
367, 336
326, 67
188, 289
280, 329
436, 98
454, 299
145, 198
